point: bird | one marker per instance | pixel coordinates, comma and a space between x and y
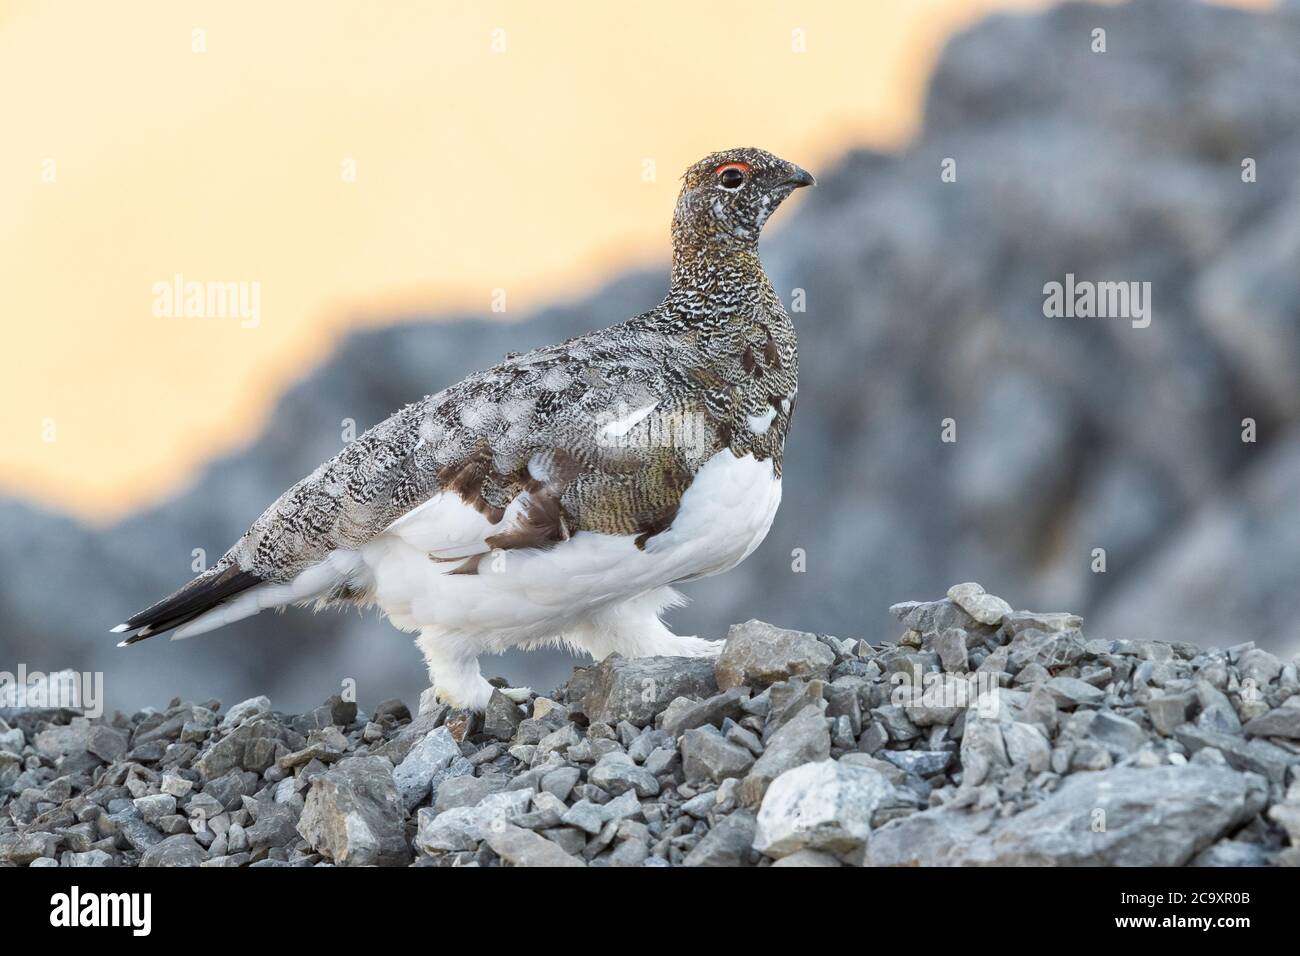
556, 498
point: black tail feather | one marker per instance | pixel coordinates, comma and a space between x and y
184, 605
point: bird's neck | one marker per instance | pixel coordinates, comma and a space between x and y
717, 277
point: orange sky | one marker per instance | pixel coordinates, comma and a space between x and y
129, 157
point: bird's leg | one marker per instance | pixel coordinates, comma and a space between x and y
453, 671
633, 629
682, 646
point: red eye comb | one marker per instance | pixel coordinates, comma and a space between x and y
743, 167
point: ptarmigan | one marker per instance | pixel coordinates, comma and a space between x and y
554, 498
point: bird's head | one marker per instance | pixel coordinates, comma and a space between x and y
727, 197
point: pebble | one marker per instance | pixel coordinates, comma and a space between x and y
757, 655
519, 847
826, 805
707, 755
984, 608
617, 773
414, 775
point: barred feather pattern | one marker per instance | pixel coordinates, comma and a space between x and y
604, 432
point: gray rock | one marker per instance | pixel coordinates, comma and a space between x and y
90, 858
843, 699
155, 806
727, 844
179, 850
236, 839
254, 745
893, 718
757, 654
106, 743
468, 791
501, 718
459, 767
1017, 621
594, 818
1287, 815
938, 702
1168, 712
22, 848
807, 858
931, 618
12, 739
923, 763
663, 760
684, 714
1025, 745
176, 785
520, 847
1070, 692
131, 826
276, 825
1124, 816
702, 805
561, 781
637, 690
647, 742
706, 755
983, 750
569, 839
586, 816
559, 741
819, 806
629, 853
397, 747
746, 738
414, 775
1256, 756
253, 707
354, 815
983, 607
335, 712
625, 806
463, 828
1217, 713
617, 773
547, 811
61, 739
1279, 722
886, 769
1231, 853
1037, 651
951, 645
804, 739
1118, 734
787, 698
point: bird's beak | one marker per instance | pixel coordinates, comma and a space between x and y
800, 177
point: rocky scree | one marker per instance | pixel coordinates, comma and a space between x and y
981, 735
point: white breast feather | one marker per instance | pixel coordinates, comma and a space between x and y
521, 595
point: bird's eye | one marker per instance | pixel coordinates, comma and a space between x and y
732, 175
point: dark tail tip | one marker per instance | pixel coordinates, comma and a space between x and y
197, 597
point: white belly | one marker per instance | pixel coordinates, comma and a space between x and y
523, 596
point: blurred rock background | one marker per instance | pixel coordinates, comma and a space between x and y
924, 302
